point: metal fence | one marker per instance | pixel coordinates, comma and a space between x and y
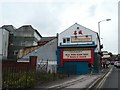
42, 66
18, 77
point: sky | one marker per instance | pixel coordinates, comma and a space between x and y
50, 17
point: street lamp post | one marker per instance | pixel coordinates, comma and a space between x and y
100, 38
99, 25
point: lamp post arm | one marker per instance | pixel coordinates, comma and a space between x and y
99, 31
99, 28
102, 21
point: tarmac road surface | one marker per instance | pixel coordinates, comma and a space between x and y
111, 80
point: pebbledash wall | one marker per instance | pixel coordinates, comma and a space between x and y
78, 46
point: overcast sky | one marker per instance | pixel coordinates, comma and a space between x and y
54, 16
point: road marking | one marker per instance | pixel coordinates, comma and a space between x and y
104, 79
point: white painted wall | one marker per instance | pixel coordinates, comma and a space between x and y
118, 27
4, 36
70, 32
1, 40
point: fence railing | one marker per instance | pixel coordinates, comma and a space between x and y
18, 74
20, 77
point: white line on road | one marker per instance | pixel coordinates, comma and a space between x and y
104, 79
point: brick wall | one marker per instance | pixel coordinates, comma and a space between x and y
20, 65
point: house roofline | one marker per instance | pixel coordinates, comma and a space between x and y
79, 25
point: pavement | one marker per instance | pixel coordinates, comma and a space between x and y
75, 81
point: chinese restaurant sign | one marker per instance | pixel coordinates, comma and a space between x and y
85, 38
77, 54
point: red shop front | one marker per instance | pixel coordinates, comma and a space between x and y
77, 55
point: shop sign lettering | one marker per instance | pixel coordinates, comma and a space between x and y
85, 38
77, 54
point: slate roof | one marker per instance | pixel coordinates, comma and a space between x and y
45, 40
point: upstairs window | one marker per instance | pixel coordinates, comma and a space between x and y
66, 40
77, 27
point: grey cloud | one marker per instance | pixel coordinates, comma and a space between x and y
44, 16
46, 19
91, 10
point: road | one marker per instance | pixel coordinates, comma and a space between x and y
111, 80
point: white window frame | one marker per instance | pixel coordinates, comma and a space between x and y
66, 40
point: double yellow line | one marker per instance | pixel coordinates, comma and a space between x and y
104, 79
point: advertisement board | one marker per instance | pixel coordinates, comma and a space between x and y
77, 54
